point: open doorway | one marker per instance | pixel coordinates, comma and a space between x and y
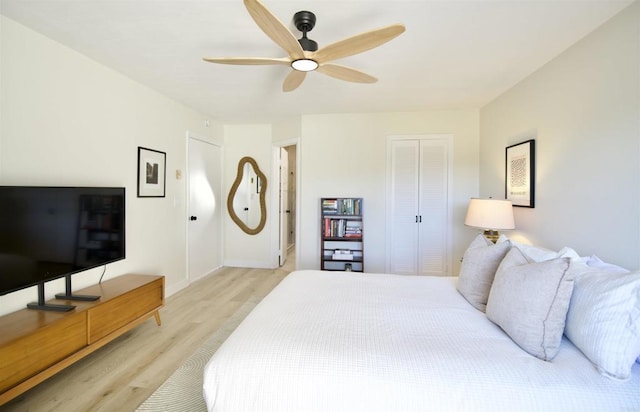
285, 156
291, 197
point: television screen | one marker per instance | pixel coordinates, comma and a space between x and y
49, 232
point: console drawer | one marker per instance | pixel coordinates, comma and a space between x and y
122, 310
28, 355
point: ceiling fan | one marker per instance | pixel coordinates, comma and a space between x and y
303, 54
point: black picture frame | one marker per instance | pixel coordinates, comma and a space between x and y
152, 172
520, 174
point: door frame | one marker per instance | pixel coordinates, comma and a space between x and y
275, 199
448, 139
187, 209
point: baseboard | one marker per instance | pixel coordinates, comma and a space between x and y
175, 287
248, 264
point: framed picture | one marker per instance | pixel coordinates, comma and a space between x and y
151, 172
520, 177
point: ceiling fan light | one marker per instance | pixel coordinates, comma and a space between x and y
304, 65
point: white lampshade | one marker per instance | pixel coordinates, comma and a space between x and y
490, 214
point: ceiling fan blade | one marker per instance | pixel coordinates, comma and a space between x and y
293, 80
252, 61
274, 28
358, 43
346, 73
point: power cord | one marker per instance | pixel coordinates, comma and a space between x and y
103, 272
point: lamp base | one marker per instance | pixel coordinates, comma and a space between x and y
492, 235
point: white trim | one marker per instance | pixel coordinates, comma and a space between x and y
174, 288
275, 177
256, 264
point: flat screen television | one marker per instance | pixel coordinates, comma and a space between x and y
48, 233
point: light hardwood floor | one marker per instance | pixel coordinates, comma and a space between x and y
120, 376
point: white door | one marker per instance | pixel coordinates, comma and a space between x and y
402, 249
418, 207
205, 208
284, 204
433, 225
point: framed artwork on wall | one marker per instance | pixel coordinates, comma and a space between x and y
151, 172
520, 177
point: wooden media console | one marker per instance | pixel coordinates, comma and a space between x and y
35, 345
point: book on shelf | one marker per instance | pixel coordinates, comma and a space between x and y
330, 252
353, 229
330, 206
342, 257
342, 254
342, 228
334, 227
345, 206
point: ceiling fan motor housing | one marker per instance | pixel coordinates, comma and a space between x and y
305, 21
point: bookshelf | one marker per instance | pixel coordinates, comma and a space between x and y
341, 241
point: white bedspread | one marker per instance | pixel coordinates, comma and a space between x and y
338, 341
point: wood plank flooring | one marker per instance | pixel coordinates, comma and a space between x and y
120, 376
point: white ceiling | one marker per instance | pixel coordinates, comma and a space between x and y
454, 54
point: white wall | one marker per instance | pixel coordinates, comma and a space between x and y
67, 120
241, 249
583, 109
345, 155
287, 129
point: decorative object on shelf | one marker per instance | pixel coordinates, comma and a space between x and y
491, 215
520, 176
246, 207
151, 172
341, 240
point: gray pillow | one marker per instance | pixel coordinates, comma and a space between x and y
479, 265
529, 301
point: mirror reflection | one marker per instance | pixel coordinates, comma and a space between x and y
246, 202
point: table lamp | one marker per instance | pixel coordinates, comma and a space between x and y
491, 215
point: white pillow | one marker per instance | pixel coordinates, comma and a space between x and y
529, 301
479, 266
502, 238
540, 254
536, 253
570, 253
596, 263
604, 320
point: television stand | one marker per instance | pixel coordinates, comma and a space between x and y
42, 305
35, 345
68, 295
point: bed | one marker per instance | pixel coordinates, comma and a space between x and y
327, 341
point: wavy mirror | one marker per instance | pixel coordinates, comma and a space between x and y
246, 202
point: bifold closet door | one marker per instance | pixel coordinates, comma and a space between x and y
418, 213
434, 205
402, 244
